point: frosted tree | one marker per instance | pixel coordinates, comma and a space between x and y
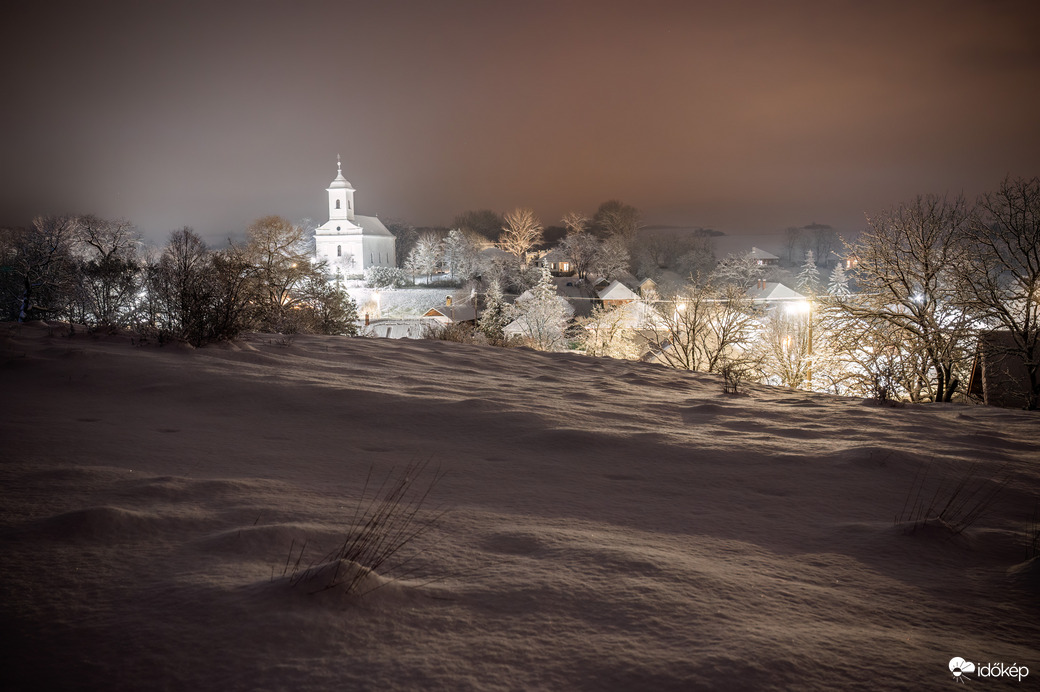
742, 271
612, 259
999, 279
495, 315
703, 328
425, 257
905, 271
521, 232
610, 332
583, 249
460, 255
838, 286
809, 278
542, 315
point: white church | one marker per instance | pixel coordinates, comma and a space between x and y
350, 242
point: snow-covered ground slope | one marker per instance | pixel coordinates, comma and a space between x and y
610, 525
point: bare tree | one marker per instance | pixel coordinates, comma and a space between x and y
615, 218
110, 269
482, 222
999, 276
276, 250
576, 222
44, 266
792, 238
905, 270
520, 234
180, 284
703, 329
583, 249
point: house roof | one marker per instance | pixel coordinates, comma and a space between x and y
771, 291
556, 255
762, 254
456, 313
616, 290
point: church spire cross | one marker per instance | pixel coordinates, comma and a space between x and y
339, 165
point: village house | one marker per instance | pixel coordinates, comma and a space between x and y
763, 258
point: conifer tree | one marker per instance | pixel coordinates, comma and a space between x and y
495, 315
809, 277
839, 283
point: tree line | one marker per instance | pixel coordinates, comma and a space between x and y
96, 272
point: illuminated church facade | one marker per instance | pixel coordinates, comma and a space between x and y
350, 242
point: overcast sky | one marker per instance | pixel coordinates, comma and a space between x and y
747, 117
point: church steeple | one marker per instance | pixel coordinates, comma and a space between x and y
341, 196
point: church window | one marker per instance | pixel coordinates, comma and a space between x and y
337, 204
339, 251
337, 228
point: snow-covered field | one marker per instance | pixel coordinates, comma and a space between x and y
610, 525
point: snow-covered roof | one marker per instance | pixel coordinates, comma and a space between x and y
616, 290
772, 290
453, 313
762, 254
397, 329
371, 225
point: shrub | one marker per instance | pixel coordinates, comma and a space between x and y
384, 277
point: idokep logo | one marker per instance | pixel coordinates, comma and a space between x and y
958, 666
960, 669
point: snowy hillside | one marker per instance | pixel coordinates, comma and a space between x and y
609, 525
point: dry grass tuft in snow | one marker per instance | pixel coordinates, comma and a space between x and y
375, 549
956, 501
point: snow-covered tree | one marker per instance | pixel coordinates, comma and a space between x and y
905, 270
541, 315
838, 286
460, 255
612, 260
384, 277
742, 271
809, 278
495, 315
610, 332
425, 257
703, 328
521, 232
999, 279
583, 249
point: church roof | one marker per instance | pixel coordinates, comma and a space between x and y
372, 226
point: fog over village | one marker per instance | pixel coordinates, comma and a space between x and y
473, 346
